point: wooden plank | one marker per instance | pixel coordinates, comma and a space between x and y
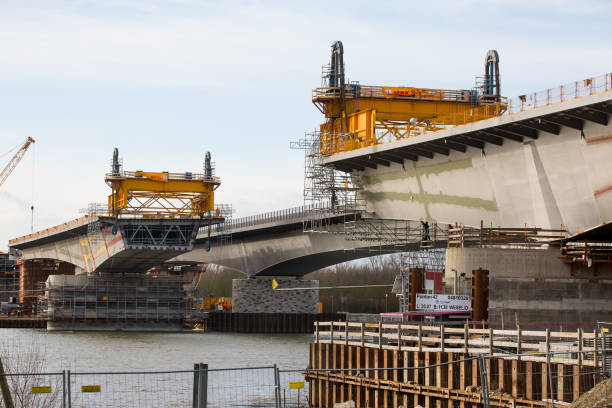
396, 356
462, 378
406, 355
575, 382
416, 374
427, 378
450, 377
544, 381
529, 379
515, 379
560, 395
377, 376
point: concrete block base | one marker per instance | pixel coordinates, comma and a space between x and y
533, 287
257, 296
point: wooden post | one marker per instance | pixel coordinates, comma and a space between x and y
580, 347
380, 335
343, 365
595, 345
406, 362
427, 377
462, 375
518, 342
416, 375
322, 391
420, 333
358, 391
351, 364
575, 382
440, 382
399, 337
529, 380
491, 341
331, 332
442, 338
560, 383
515, 379
346, 333
362, 335
450, 377
396, 356
334, 384
466, 338
316, 332
544, 381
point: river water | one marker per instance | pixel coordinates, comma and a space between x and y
123, 351
94, 359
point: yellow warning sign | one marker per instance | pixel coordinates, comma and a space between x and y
274, 284
91, 388
45, 389
296, 385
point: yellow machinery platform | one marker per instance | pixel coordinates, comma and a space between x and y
361, 115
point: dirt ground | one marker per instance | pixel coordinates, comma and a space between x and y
599, 396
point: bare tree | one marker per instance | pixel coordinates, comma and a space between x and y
29, 362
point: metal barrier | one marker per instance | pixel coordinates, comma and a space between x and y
198, 388
36, 390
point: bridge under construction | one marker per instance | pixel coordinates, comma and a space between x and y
483, 177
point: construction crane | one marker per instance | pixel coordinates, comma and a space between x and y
362, 115
8, 169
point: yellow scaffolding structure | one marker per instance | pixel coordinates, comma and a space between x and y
161, 194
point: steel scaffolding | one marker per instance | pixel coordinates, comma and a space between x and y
9, 278
114, 298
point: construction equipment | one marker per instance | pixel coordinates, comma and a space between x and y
141, 194
8, 169
361, 115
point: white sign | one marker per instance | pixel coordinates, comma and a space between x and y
443, 303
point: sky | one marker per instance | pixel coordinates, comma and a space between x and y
167, 80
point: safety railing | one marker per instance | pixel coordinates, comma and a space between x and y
573, 90
293, 214
577, 347
461, 236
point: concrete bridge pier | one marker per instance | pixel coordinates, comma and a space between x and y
533, 287
33, 273
258, 296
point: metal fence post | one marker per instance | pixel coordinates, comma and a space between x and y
68, 386
196, 384
484, 380
63, 388
277, 387
203, 386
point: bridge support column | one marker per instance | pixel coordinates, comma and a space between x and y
258, 296
35, 272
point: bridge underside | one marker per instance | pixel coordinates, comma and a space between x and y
288, 252
104, 244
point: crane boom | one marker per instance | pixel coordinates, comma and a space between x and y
15, 160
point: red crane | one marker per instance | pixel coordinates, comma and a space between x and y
15, 160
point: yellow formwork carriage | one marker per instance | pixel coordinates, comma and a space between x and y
358, 115
161, 195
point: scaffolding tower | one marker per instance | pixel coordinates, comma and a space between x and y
330, 195
9, 278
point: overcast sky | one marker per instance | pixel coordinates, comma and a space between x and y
164, 81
